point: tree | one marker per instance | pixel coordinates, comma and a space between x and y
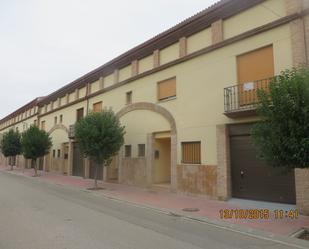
10, 144
36, 143
100, 136
282, 136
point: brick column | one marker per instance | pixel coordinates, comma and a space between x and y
134, 68
224, 187
302, 190
86, 168
156, 58
182, 47
119, 161
217, 31
116, 76
76, 93
297, 27
105, 173
70, 158
174, 184
101, 83
150, 159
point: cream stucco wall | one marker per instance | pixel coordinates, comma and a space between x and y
199, 104
199, 40
254, 17
125, 73
140, 123
145, 64
169, 54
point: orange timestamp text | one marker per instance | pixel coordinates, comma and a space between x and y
255, 214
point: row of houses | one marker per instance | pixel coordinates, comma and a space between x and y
186, 99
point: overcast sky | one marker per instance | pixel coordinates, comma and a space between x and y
46, 44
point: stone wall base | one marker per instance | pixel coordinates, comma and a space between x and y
134, 171
197, 179
302, 190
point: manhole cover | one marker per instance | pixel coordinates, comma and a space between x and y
190, 209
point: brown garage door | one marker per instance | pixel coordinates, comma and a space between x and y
92, 171
78, 161
252, 178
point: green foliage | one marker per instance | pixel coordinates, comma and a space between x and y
10, 143
35, 143
282, 136
100, 136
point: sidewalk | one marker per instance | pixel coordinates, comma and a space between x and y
175, 203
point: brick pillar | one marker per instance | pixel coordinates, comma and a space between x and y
182, 47
116, 76
302, 190
134, 68
150, 159
70, 158
223, 159
76, 93
86, 168
297, 27
119, 161
217, 31
101, 83
156, 58
105, 173
174, 184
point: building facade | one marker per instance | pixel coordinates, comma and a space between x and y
186, 98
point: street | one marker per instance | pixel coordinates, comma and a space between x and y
39, 215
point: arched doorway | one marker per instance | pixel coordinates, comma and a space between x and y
150, 145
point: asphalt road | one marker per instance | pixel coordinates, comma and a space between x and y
40, 215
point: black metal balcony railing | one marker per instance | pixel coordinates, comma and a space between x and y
243, 97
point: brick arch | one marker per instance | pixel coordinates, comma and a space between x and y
59, 126
150, 107
149, 161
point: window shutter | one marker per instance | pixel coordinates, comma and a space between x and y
167, 89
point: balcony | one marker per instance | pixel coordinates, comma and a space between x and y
241, 100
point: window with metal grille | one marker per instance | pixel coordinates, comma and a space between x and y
141, 150
191, 152
167, 89
127, 150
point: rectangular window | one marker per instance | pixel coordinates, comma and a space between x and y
35, 122
79, 114
54, 153
127, 150
61, 118
191, 152
55, 120
167, 89
43, 125
58, 153
141, 150
97, 107
254, 69
129, 97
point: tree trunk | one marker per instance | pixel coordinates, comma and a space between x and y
96, 176
35, 167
